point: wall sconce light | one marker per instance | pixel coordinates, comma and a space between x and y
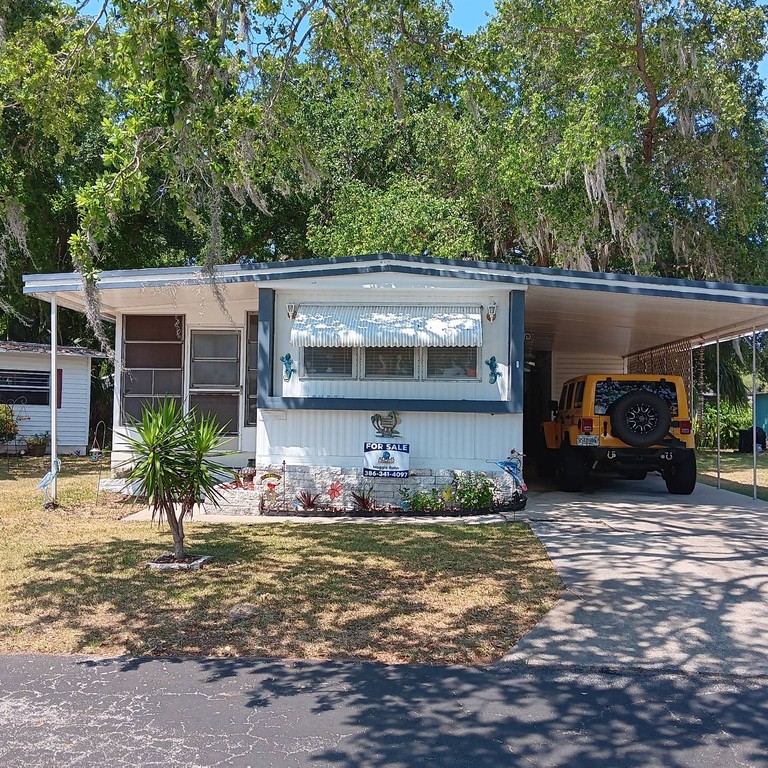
291, 311
490, 315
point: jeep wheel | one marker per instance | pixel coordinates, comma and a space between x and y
572, 470
680, 475
640, 419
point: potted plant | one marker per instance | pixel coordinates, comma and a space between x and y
38, 443
8, 426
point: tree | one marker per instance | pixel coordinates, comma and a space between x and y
597, 135
635, 131
172, 464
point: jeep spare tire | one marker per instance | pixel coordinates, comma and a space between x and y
640, 419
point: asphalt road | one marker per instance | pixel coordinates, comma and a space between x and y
69, 711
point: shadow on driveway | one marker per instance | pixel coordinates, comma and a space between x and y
653, 580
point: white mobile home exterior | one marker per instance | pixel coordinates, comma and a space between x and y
25, 371
285, 352
450, 421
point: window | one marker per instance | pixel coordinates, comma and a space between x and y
608, 391
33, 386
214, 379
327, 362
153, 355
251, 367
389, 363
569, 400
451, 362
578, 398
399, 363
215, 360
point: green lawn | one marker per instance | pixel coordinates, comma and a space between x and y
72, 581
736, 471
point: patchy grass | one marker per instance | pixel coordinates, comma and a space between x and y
71, 581
736, 471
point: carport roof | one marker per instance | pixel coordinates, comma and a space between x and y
565, 310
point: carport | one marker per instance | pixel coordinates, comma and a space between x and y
653, 325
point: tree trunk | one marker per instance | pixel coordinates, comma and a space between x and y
177, 530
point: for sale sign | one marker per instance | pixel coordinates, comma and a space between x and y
386, 459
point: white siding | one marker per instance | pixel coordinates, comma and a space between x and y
567, 366
437, 440
73, 416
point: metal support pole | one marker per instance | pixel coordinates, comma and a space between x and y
754, 413
717, 358
54, 394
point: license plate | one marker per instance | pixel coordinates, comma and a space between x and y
587, 440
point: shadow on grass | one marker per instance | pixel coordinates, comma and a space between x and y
359, 590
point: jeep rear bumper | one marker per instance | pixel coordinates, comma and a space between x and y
648, 459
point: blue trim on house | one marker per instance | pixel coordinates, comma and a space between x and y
638, 290
266, 346
386, 404
516, 348
265, 397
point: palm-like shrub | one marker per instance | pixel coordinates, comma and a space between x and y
172, 464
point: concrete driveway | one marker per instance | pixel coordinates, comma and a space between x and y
652, 580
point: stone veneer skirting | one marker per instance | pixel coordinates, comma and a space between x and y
318, 480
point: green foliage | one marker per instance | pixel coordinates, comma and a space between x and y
473, 491
424, 502
39, 438
172, 464
732, 420
563, 134
9, 427
625, 124
469, 491
363, 501
403, 217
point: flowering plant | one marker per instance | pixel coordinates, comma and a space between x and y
8, 426
473, 490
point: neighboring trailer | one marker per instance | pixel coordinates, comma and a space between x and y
25, 384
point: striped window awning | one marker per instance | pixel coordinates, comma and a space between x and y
319, 325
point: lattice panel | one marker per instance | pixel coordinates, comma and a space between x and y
674, 359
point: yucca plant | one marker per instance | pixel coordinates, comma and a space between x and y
172, 466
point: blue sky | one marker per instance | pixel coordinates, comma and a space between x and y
468, 15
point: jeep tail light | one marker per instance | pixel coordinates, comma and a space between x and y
685, 427
586, 426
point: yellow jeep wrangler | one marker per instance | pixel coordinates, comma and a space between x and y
629, 424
